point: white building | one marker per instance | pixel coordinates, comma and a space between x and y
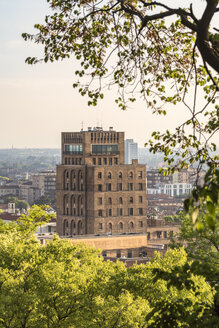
175, 189
131, 151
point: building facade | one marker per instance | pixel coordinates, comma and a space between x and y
97, 193
46, 182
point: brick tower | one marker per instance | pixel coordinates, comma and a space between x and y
97, 193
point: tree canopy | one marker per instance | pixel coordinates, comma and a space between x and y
61, 285
162, 53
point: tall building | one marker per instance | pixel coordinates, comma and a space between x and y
96, 192
131, 151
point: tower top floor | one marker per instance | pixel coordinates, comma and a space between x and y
93, 147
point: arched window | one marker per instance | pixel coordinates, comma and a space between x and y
80, 226
66, 180
131, 200
73, 180
109, 175
73, 205
120, 175
80, 180
131, 174
110, 226
110, 201
131, 224
65, 227
65, 205
120, 225
120, 200
72, 227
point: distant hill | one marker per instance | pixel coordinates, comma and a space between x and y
150, 159
30, 159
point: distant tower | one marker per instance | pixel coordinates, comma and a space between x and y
131, 151
27, 176
11, 208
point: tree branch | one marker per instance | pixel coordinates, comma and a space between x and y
208, 53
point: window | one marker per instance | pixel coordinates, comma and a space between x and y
119, 186
131, 225
131, 200
99, 187
81, 211
110, 161
140, 199
120, 200
165, 234
115, 160
148, 235
140, 224
120, 211
99, 175
94, 161
105, 161
158, 234
99, 161
118, 253
109, 212
108, 186
73, 149
140, 174
100, 213
110, 226
130, 186
120, 225
109, 175
105, 149
129, 254
109, 200
120, 175
104, 253
140, 211
100, 226
140, 186
100, 201
130, 174
131, 211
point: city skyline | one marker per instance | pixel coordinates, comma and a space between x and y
38, 102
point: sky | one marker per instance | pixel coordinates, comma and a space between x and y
38, 102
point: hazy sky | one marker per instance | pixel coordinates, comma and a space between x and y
38, 102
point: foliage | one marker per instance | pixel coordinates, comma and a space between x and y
21, 204
27, 224
62, 285
202, 247
204, 201
135, 46
45, 199
174, 218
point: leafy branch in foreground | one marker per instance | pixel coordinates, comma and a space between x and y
147, 49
